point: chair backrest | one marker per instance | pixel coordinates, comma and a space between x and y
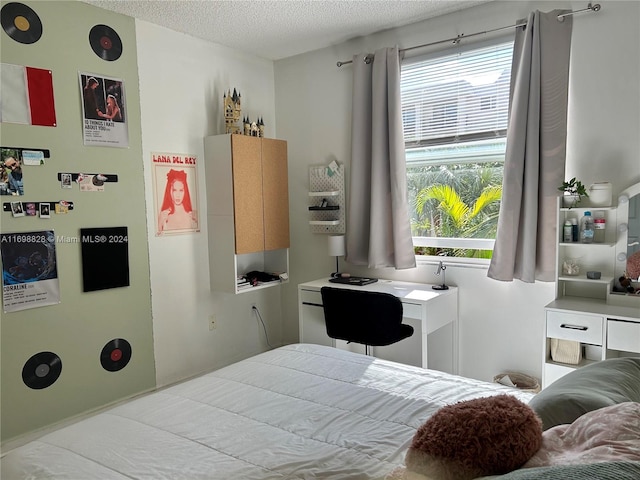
360, 316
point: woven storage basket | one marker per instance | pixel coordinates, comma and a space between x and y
521, 381
565, 351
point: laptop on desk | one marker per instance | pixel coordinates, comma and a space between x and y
354, 280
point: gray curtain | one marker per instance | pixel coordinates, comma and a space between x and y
378, 229
535, 153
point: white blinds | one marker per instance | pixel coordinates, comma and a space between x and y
456, 98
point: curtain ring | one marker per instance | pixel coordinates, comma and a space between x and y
368, 59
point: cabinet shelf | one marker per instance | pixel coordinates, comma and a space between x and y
259, 286
589, 245
583, 278
582, 363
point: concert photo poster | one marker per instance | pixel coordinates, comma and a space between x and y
29, 270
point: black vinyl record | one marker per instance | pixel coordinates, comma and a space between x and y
41, 370
21, 23
105, 42
115, 355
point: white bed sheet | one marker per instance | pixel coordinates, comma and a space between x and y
296, 412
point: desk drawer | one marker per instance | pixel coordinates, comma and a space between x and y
312, 297
573, 326
412, 310
624, 336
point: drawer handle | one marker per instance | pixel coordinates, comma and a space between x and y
574, 327
313, 304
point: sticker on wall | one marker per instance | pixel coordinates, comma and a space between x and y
21, 23
29, 270
105, 42
115, 355
104, 111
27, 96
41, 370
174, 193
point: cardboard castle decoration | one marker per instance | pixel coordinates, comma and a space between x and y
255, 129
232, 109
232, 112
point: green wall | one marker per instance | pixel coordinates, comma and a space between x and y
78, 328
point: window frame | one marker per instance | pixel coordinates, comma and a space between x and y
452, 242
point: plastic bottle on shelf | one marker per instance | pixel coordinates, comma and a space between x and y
586, 228
574, 230
599, 227
566, 232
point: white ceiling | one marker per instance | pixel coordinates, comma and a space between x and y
276, 29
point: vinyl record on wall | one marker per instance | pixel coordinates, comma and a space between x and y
105, 42
41, 370
115, 355
21, 23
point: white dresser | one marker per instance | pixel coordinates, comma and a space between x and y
603, 331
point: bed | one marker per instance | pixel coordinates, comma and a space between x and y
296, 412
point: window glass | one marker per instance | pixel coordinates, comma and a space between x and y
455, 108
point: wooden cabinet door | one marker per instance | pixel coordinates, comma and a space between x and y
247, 194
275, 194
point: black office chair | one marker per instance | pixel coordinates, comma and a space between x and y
359, 316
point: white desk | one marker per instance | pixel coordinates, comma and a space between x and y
432, 313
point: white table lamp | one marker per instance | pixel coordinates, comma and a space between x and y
336, 248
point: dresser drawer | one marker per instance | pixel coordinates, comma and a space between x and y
624, 336
573, 326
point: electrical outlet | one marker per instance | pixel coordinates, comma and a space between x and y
212, 322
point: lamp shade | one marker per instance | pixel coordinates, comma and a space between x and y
336, 245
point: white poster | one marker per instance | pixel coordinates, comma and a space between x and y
29, 270
103, 111
175, 193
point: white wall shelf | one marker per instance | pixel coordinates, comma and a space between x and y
326, 199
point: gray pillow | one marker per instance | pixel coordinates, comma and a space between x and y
599, 471
597, 385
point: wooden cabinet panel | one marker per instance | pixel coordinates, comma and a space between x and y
275, 190
247, 193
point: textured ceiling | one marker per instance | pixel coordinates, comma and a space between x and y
276, 29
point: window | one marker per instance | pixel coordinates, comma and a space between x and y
454, 110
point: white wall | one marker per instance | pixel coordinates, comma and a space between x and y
501, 324
182, 82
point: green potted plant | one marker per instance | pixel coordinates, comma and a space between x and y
573, 190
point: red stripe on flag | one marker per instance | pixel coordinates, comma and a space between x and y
40, 88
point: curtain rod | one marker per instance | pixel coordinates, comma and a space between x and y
369, 58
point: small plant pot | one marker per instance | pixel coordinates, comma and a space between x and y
570, 200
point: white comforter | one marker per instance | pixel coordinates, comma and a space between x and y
297, 412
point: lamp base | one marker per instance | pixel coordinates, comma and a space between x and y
440, 287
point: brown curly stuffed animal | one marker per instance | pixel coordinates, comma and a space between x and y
475, 438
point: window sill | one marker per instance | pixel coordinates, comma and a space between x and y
424, 260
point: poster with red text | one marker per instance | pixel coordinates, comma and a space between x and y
175, 193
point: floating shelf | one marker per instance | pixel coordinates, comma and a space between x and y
324, 222
332, 193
